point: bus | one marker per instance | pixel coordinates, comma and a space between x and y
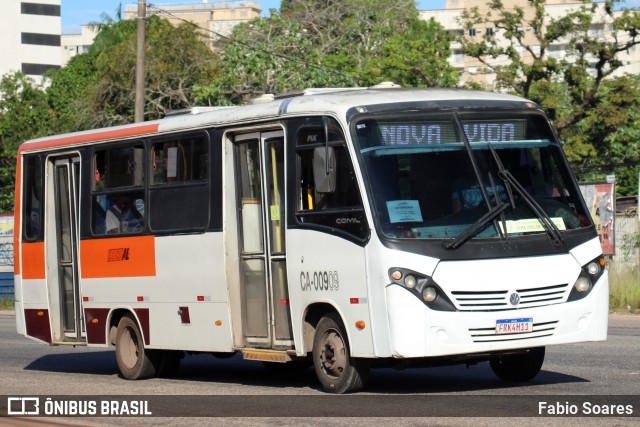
342, 229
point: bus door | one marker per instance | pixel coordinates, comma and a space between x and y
62, 240
259, 214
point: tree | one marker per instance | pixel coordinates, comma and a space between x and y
592, 104
171, 73
24, 114
350, 35
268, 55
416, 57
67, 94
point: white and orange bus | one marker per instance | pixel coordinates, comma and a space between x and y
343, 227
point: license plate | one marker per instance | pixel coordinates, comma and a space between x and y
514, 326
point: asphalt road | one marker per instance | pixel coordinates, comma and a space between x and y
244, 389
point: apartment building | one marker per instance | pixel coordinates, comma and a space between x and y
30, 39
216, 18
474, 71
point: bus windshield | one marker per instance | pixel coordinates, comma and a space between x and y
505, 176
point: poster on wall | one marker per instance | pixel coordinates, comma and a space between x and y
600, 199
6, 242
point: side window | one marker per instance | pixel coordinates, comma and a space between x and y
339, 206
32, 198
179, 187
117, 198
180, 160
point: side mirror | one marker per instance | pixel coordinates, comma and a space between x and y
324, 169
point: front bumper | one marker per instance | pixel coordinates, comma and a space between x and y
417, 331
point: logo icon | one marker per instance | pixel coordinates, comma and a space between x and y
23, 406
119, 254
514, 299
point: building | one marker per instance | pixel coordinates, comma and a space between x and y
216, 19
473, 71
30, 39
75, 44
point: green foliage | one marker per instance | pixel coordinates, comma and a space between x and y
24, 114
594, 113
171, 73
68, 92
268, 55
416, 57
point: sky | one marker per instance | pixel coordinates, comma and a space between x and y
78, 12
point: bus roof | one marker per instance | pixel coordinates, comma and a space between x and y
336, 101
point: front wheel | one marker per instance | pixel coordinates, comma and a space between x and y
518, 367
134, 361
336, 370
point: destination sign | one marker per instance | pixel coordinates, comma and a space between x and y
477, 131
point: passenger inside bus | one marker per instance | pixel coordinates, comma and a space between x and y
123, 216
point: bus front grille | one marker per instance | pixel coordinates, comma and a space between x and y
506, 300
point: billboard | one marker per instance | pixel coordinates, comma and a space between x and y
600, 199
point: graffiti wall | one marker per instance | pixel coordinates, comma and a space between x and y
6, 242
600, 199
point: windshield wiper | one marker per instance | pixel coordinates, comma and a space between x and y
476, 226
493, 212
555, 235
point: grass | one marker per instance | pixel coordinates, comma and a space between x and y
624, 289
7, 304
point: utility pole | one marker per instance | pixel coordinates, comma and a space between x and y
140, 74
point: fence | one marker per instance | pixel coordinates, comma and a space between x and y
627, 254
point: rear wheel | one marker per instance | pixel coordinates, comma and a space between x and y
134, 361
336, 370
519, 367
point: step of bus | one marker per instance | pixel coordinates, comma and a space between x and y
266, 355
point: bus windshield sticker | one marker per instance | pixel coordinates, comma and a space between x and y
531, 225
404, 211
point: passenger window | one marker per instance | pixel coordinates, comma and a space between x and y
340, 209
118, 202
182, 160
32, 212
179, 190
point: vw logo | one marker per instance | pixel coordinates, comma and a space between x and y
514, 299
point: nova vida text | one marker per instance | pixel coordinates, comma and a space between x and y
587, 408
92, 407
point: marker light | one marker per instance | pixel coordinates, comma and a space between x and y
429, 294
360, 324
582, 284
410, 282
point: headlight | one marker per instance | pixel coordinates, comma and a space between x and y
591, 272
423, 287
582, 284
429, 294
410, 282
593, 268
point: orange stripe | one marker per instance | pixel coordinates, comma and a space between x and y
33, 260
118, 257
90, 137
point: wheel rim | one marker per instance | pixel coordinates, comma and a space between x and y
130, 350
333, 356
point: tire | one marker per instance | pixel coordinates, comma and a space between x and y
134, 361
519, 367
336, 370
169, 363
